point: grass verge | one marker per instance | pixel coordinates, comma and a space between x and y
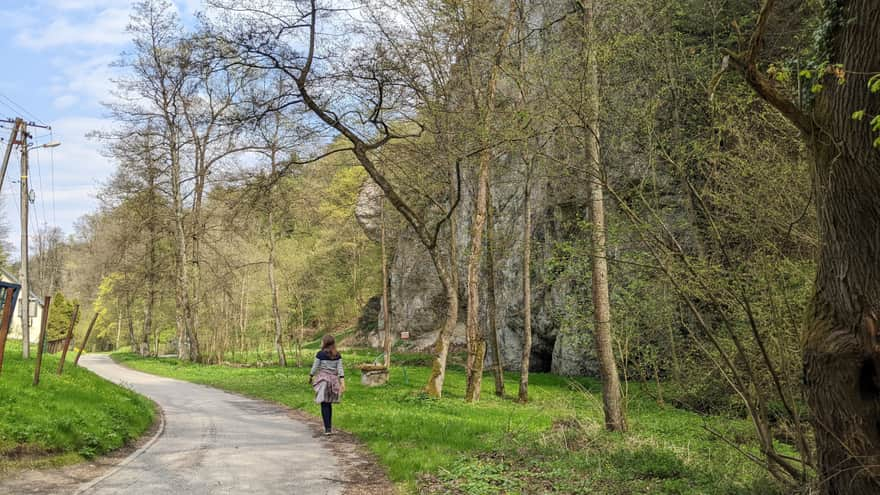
554, 444
67, 418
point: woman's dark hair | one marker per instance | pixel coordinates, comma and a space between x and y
328, 345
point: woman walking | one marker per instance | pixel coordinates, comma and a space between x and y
328, 379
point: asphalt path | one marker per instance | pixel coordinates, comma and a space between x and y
214, 442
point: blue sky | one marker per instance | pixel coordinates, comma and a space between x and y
55, 58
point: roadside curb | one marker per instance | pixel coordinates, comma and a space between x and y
134, 455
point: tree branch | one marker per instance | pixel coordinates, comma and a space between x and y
746, 64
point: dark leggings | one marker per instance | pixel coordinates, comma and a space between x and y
327, 414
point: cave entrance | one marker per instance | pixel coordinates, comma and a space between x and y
542, 355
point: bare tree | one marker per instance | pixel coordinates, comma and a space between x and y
265, 40
615, 420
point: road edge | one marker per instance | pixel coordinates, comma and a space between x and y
134, 455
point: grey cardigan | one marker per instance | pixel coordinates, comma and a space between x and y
324, 362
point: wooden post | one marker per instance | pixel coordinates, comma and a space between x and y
67, 340
86, 339
44, 322
4, 325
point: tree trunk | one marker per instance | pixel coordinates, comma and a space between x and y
434, 387
152, 265
611, 397
841, 349
276, 310
118, 321
527, 293
491, 303
476, 342
131, 337
273, 286
187, 346
386, 310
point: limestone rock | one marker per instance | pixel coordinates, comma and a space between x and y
368, 209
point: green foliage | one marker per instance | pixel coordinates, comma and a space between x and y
66, 418
649, 462
60, 313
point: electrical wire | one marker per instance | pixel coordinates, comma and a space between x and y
16, 203
21, 109
40, 184
52, 176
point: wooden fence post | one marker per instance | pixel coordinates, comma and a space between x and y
4, 325
86, 338
44, 322
67, 340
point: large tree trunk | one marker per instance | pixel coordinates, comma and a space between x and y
611, 397
841, 350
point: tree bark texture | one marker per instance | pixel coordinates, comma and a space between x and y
841, 349
492, 305
611, 396
840, 346
386, 309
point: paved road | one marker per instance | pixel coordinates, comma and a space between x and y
217, 443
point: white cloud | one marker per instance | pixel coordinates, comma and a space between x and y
65, 101
90, 79
86, 4
105, 28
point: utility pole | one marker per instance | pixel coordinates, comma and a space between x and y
23, 277
15, 124
19, 128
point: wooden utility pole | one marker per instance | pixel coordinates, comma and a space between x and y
23, 276
15, 125
44, 322
86, 339
67, 340
4, 325
19, 129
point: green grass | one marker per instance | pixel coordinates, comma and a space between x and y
66, 418
554, 444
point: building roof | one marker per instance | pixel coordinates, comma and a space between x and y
8, 277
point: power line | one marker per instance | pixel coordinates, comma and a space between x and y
40, 183
21, 109
52, 175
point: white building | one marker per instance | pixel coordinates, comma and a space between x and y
36, 312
